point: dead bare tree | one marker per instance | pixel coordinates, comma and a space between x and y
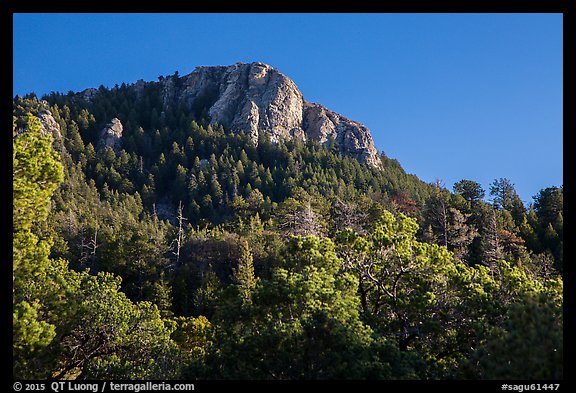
349, 215
438, 213
178, 241
88, 250
493, 249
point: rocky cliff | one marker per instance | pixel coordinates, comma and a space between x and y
256, 98
48, 124
111, 135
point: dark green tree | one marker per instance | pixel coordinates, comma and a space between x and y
548, 203
470, 190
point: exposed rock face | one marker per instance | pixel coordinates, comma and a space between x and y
256, 98
49, 125
111, 135
327, 127
88, 94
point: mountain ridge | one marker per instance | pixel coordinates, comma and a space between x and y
258, 99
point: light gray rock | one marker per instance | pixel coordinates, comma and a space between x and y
298, 133
111, 136
256, 98
49, 124
351, 137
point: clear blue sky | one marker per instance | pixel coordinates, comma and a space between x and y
451, 96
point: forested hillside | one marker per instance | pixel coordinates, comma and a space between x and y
182, 250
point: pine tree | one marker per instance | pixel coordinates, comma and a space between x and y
530, 236
216, 189
161, 296
206, 296
503, 194
470, 190
179, 186
548, 203
243, 274
300, 216
460, 234
36, 172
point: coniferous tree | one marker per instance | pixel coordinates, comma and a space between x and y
244, 276
460, 233
548, 203
470, 190
503, 194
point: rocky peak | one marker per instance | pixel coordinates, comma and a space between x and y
111, 135
256, 98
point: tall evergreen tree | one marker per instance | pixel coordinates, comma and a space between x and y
244, 276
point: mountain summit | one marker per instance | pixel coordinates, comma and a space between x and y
256, 98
